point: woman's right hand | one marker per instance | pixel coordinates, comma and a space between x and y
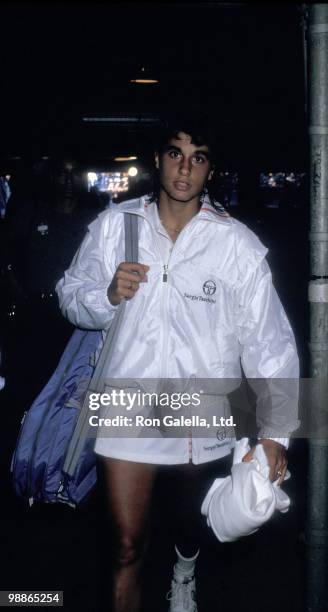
126, 281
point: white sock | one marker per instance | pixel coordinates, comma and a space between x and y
185, 566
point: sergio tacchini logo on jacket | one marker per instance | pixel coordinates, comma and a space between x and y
209, 289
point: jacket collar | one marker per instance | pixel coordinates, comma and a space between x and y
211, 213
141, 206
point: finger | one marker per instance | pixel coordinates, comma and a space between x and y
273, 466
249, 455
277, 476
131, 285
135, 268
126, 292
279, 472
123, 286
276, 458
133, 265
273, 473
273, 460
130, 276
129, 294
283, 470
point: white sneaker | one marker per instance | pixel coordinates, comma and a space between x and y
182, 595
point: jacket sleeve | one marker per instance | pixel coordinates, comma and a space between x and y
82, 292
268, 353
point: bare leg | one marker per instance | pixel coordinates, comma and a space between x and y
192, 484
187, 509
128, 488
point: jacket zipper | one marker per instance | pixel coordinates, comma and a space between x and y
164, 358
165, 273
166, 336
190, 445
165, 330
165, 291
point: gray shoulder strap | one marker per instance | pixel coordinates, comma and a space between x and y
131, 254
82, 426
131, 237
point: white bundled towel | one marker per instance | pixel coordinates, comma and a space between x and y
239, 504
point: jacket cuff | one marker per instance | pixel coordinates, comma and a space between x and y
99, 298
283, 441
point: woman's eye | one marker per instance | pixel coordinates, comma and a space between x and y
199, 159
174, 154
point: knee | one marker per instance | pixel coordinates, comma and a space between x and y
128, 551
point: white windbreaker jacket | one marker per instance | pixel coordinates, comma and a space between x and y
204, 313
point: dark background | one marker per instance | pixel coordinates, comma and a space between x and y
60, 63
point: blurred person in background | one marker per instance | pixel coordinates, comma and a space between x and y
45, 223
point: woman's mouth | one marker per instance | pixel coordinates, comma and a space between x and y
181, 185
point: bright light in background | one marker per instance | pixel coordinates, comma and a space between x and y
122, 159
92, 177
114, 182
133, 171
144, 78
144, 81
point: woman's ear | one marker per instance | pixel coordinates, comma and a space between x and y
157, 160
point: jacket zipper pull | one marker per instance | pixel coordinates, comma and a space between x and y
165, 274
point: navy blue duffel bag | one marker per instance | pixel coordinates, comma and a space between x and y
47, 428
54, 459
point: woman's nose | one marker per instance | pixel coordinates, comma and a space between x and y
185, 167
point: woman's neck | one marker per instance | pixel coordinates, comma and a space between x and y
175, 215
